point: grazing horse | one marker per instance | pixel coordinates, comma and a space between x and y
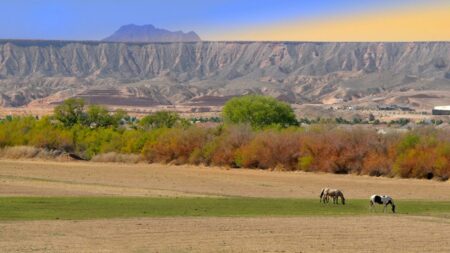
323, 195
382, 200
333, 193
336, 194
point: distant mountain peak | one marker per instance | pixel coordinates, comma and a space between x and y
150, 33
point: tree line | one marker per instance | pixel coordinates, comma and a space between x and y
256, 132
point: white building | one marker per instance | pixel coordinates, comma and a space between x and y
441, 110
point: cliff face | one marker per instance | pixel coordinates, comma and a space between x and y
170, 73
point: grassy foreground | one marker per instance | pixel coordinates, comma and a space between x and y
67, 208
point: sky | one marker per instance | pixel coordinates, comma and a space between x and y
263, 20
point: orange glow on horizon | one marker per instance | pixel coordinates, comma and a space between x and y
416, 24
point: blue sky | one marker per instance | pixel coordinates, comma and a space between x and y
96, 19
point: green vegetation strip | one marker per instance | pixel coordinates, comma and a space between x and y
71, 208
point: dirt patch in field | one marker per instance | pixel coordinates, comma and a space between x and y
41, 178
296, 234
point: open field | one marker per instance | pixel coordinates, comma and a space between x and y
100, 207
43, 178
222, 234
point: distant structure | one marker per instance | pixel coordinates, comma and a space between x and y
395, 107
441, 110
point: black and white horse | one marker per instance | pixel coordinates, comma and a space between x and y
382, 200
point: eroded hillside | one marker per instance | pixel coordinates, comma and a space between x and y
146, 74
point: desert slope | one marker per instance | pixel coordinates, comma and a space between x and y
174, 73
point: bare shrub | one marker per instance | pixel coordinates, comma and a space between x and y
377, 164
339, 150
114, 157
225, 149
272, 149
18, 152
27, 152
175, 145
423, 153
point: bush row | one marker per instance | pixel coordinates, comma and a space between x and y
422, 153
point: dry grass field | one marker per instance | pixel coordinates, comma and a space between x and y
362, 233
210, 234
43, 178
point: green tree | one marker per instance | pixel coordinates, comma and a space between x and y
120, 116
70, 112
98, 116
258, 111
162, 119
